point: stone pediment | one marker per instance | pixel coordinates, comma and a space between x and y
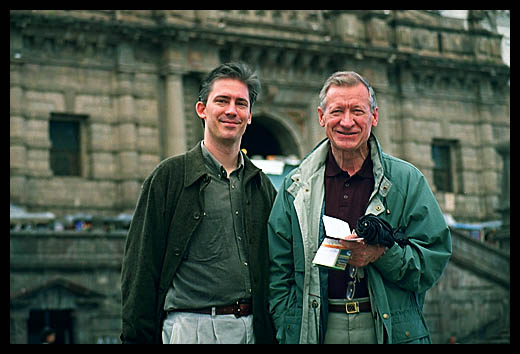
56, 293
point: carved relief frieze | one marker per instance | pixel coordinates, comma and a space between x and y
73, 47
278, 64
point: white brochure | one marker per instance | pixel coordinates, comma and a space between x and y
331, 254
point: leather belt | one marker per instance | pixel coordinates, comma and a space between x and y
238, 309
351, 307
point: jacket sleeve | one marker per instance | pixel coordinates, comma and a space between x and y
142, 260
282, 285
418, 266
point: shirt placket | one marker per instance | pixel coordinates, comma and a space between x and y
236, 193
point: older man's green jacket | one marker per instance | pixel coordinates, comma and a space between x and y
168, 211
397, 281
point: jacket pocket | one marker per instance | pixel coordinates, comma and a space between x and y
290, 332
408, 327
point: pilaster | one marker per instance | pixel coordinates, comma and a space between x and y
173, 121
128, 156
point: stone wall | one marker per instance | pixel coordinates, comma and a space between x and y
471, 301
74, 271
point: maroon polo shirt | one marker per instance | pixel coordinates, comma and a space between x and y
346, 198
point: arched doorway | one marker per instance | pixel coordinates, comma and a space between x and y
266, 136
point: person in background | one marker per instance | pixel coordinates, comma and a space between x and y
196, 260
48, 336
406, 243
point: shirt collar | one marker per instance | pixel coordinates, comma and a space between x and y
332, 169
214, 165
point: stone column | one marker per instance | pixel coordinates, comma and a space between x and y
404, 106
127, 131
503, 236
173, 121
488, 174
18, 151
175, 132
383, 131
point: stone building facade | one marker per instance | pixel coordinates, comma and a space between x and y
130, 80
123, 84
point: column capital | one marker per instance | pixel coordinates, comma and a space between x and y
172, 69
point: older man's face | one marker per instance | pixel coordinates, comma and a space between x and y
347, 118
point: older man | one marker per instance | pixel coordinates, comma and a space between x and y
379, 297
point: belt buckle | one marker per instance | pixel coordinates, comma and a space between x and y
352, 307
236, 309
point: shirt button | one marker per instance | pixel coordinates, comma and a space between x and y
245, 263
236, 212
345, 196
385, 316
347, 185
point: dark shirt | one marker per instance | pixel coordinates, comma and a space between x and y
346, 198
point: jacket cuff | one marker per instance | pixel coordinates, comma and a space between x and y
387, 260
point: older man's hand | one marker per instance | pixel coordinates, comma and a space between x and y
362, 254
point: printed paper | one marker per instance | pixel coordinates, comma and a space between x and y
331, 254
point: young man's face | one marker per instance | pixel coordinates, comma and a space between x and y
227, 111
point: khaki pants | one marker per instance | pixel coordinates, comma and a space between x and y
343, 328
194, 328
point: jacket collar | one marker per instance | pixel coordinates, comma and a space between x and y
316, 158
250, 170
195, 167
376, 155
319, 154
381, 183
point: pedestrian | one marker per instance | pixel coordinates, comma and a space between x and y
379, 296
196, 260
48, 336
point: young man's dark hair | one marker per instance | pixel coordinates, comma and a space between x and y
239, 71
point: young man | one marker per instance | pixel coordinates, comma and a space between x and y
380, 295
196, 264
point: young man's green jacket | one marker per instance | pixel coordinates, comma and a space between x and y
397, 281
169, 209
